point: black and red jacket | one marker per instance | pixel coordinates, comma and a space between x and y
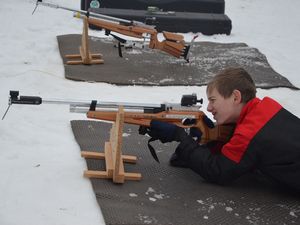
266, 138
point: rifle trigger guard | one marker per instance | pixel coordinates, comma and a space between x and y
188, 121
93, 105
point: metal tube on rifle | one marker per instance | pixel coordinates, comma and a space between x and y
91, 14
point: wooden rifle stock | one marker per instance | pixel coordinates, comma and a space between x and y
218, 133
173, 44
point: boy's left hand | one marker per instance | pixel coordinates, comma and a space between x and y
165, 132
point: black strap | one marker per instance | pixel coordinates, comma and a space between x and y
120, 49
145, 130
152, 150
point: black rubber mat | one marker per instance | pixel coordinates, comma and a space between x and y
153, 67
169, 195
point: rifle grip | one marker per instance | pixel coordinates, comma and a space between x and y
219, 133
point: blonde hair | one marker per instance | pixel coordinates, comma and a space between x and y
233, 78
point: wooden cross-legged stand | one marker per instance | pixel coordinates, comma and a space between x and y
113, 156
84, 56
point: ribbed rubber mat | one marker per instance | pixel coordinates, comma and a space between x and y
168, 195
153, 67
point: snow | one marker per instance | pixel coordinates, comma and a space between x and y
40, 164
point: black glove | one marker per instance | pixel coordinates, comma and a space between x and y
165, 132
179, 157
194, 131
177, 161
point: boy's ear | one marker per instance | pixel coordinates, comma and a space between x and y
237, 96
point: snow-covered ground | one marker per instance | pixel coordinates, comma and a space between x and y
40, 164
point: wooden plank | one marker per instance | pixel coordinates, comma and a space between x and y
72, 56
97, 61
97, 56
92, 155
133, 176
96, 174
108, 159
73, 62
101, 155
118, 176
129, 159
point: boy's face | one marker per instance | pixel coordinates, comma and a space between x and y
224, 110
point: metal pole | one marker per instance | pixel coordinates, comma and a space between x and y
91, 14
101, 103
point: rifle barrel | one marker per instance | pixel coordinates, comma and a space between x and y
102, 104
35, 100
133, 107
91, 14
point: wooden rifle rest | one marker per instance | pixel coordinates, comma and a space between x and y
84, 57
113, 155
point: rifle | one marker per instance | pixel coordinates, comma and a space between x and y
173, 44
186, 114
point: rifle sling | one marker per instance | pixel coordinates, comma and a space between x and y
152, 150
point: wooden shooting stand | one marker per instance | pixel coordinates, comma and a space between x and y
113, 156
84, 56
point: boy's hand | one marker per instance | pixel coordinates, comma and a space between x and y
165, 132
194, 131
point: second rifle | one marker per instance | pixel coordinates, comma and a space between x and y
173, 44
